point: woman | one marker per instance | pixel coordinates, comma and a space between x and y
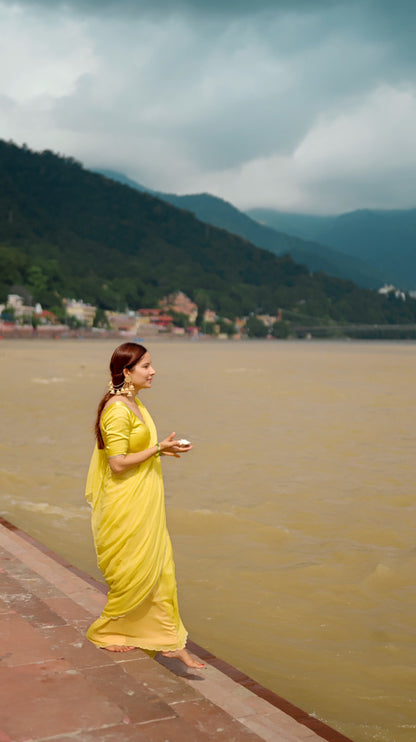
125, 491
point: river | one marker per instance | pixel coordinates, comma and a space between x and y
292, 519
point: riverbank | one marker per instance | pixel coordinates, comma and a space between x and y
148, 333
56, 685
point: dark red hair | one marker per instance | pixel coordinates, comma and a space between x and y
125, 356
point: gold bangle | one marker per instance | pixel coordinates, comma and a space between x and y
158, 452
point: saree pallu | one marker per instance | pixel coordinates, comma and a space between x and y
131, 539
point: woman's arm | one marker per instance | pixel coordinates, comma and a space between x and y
169, 447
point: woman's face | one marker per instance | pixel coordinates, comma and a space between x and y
142, 373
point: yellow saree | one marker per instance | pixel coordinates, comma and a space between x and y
131, 539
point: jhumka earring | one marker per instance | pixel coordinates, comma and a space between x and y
128, 387
111, 387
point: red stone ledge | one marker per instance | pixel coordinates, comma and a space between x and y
302, 717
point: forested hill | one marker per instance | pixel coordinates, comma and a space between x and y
68, 232
385, 240
222, 214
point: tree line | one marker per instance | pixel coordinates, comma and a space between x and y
68, 232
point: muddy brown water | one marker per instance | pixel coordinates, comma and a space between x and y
293, 518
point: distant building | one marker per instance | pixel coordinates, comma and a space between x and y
267, 319
150, 321
14, 301
20, 310
240, 323
181, 303
147, 316
210, 315
390, 289
84, 313
164, 321
122, 321
46, 317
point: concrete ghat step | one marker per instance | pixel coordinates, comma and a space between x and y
57, 686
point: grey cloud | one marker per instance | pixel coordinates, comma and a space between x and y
348, 194
198, 87
397, 14
229, 7
323, 70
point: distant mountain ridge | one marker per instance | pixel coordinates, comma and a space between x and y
306, 226
123, 179
69, 232
220, 213
385, 240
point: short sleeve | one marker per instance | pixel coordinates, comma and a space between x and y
115, 428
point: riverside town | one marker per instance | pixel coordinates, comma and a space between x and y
177, 316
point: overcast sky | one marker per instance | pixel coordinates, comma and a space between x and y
298, 105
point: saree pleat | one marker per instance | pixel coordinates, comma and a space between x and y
131, 538
154, 625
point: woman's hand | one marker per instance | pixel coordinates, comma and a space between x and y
171, 446
168, 447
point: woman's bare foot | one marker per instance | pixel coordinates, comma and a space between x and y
184, 656
118, 648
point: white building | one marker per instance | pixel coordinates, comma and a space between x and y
20, 309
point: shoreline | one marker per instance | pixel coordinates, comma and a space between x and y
318, 729
204, 339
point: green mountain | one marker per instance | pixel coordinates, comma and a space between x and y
385, 240
68, 232
306, 226
220, 213
317, 257
121, 178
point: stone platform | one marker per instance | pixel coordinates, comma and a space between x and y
56, 685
